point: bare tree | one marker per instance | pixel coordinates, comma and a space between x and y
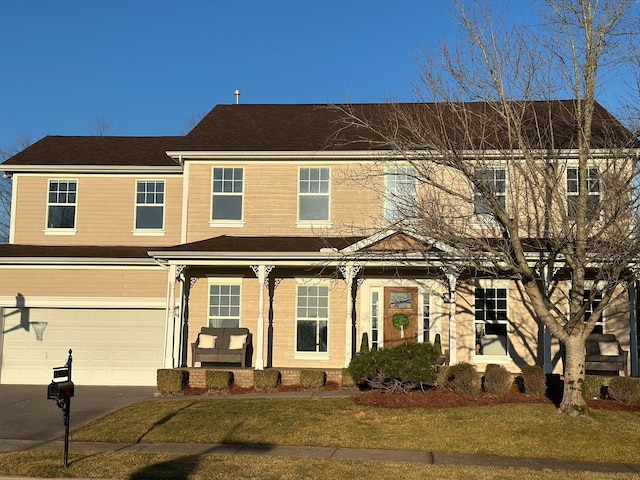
564, 222
102, 127
5, 186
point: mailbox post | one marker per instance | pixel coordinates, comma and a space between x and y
61, 391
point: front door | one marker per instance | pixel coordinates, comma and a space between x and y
402, 301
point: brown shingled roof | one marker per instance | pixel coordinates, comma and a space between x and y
66, 251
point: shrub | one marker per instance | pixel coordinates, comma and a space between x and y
266, 379
441, 377
624, 389
172, 380
347, 379
312, 378
462, 378
218, 380
396, 369
438, 343
534, 380
497, 380
593, 385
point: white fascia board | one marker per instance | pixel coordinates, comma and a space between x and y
73, 262
285, 155
139, 169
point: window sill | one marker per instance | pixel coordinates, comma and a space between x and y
60, 231
149, 233
318, 224
226, 223
311, 356
497, 359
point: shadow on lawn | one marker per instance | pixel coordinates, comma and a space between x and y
178, 469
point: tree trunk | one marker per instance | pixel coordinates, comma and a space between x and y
573, 401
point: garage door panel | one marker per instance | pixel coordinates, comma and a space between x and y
110, 346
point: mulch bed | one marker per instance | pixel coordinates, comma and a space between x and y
431, 398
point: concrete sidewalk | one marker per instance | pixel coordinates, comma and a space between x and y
353, 454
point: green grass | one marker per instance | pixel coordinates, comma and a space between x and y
141, 466
516, 430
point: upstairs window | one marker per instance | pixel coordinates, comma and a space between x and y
313, 199
593, 192
227, 194
496, 180
62, 204
400, 194
149, 204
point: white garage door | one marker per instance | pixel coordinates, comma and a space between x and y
110, 346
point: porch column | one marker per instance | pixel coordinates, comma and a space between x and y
633, 330
170, 320
177, 338
262, 272
548, 272
349, 273
452, 280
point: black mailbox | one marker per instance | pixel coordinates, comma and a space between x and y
60, 390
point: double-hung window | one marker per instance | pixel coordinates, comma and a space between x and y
62, 204
400, 194
597, 299
491, 321
224, 305
150, 196
228, 187
593, 192
496, 181
313, 196
312, 319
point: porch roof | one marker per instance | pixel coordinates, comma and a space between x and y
30, 254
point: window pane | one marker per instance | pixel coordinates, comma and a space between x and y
61, 217
227, 207
149, 217
314, 208
306, 341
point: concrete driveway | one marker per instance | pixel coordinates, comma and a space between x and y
27, 418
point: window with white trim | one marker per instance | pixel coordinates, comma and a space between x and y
593, 192
149, 205
224, 305
227, 193
314, 196
62, 204
491, 321
312, 318
400, 194
496, 180
426, 316
375, 319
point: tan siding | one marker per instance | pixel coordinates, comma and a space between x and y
128, 283
105, 211
271, 201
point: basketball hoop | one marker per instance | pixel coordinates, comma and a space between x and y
39, 328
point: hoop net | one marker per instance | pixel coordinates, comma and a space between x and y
39, 328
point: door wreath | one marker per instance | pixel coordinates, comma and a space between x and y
400, 321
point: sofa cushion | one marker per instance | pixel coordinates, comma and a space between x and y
608, 349
206, 341
236, 341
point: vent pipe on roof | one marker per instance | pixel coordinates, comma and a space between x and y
237, 94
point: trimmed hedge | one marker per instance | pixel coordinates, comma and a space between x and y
497, 380
266, 379
593, 386
218, 380
347, 379
312, 378
171, 381
462, 378
534, 380
624, 389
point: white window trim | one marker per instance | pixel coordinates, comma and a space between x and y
576, 194
62, 231
227, 223
231, 281
297, 355
328, 223
389, 195
498, 359
149, 232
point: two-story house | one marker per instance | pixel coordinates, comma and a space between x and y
122, 248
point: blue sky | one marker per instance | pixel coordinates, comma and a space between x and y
149, 66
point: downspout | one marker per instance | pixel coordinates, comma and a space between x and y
633, 330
